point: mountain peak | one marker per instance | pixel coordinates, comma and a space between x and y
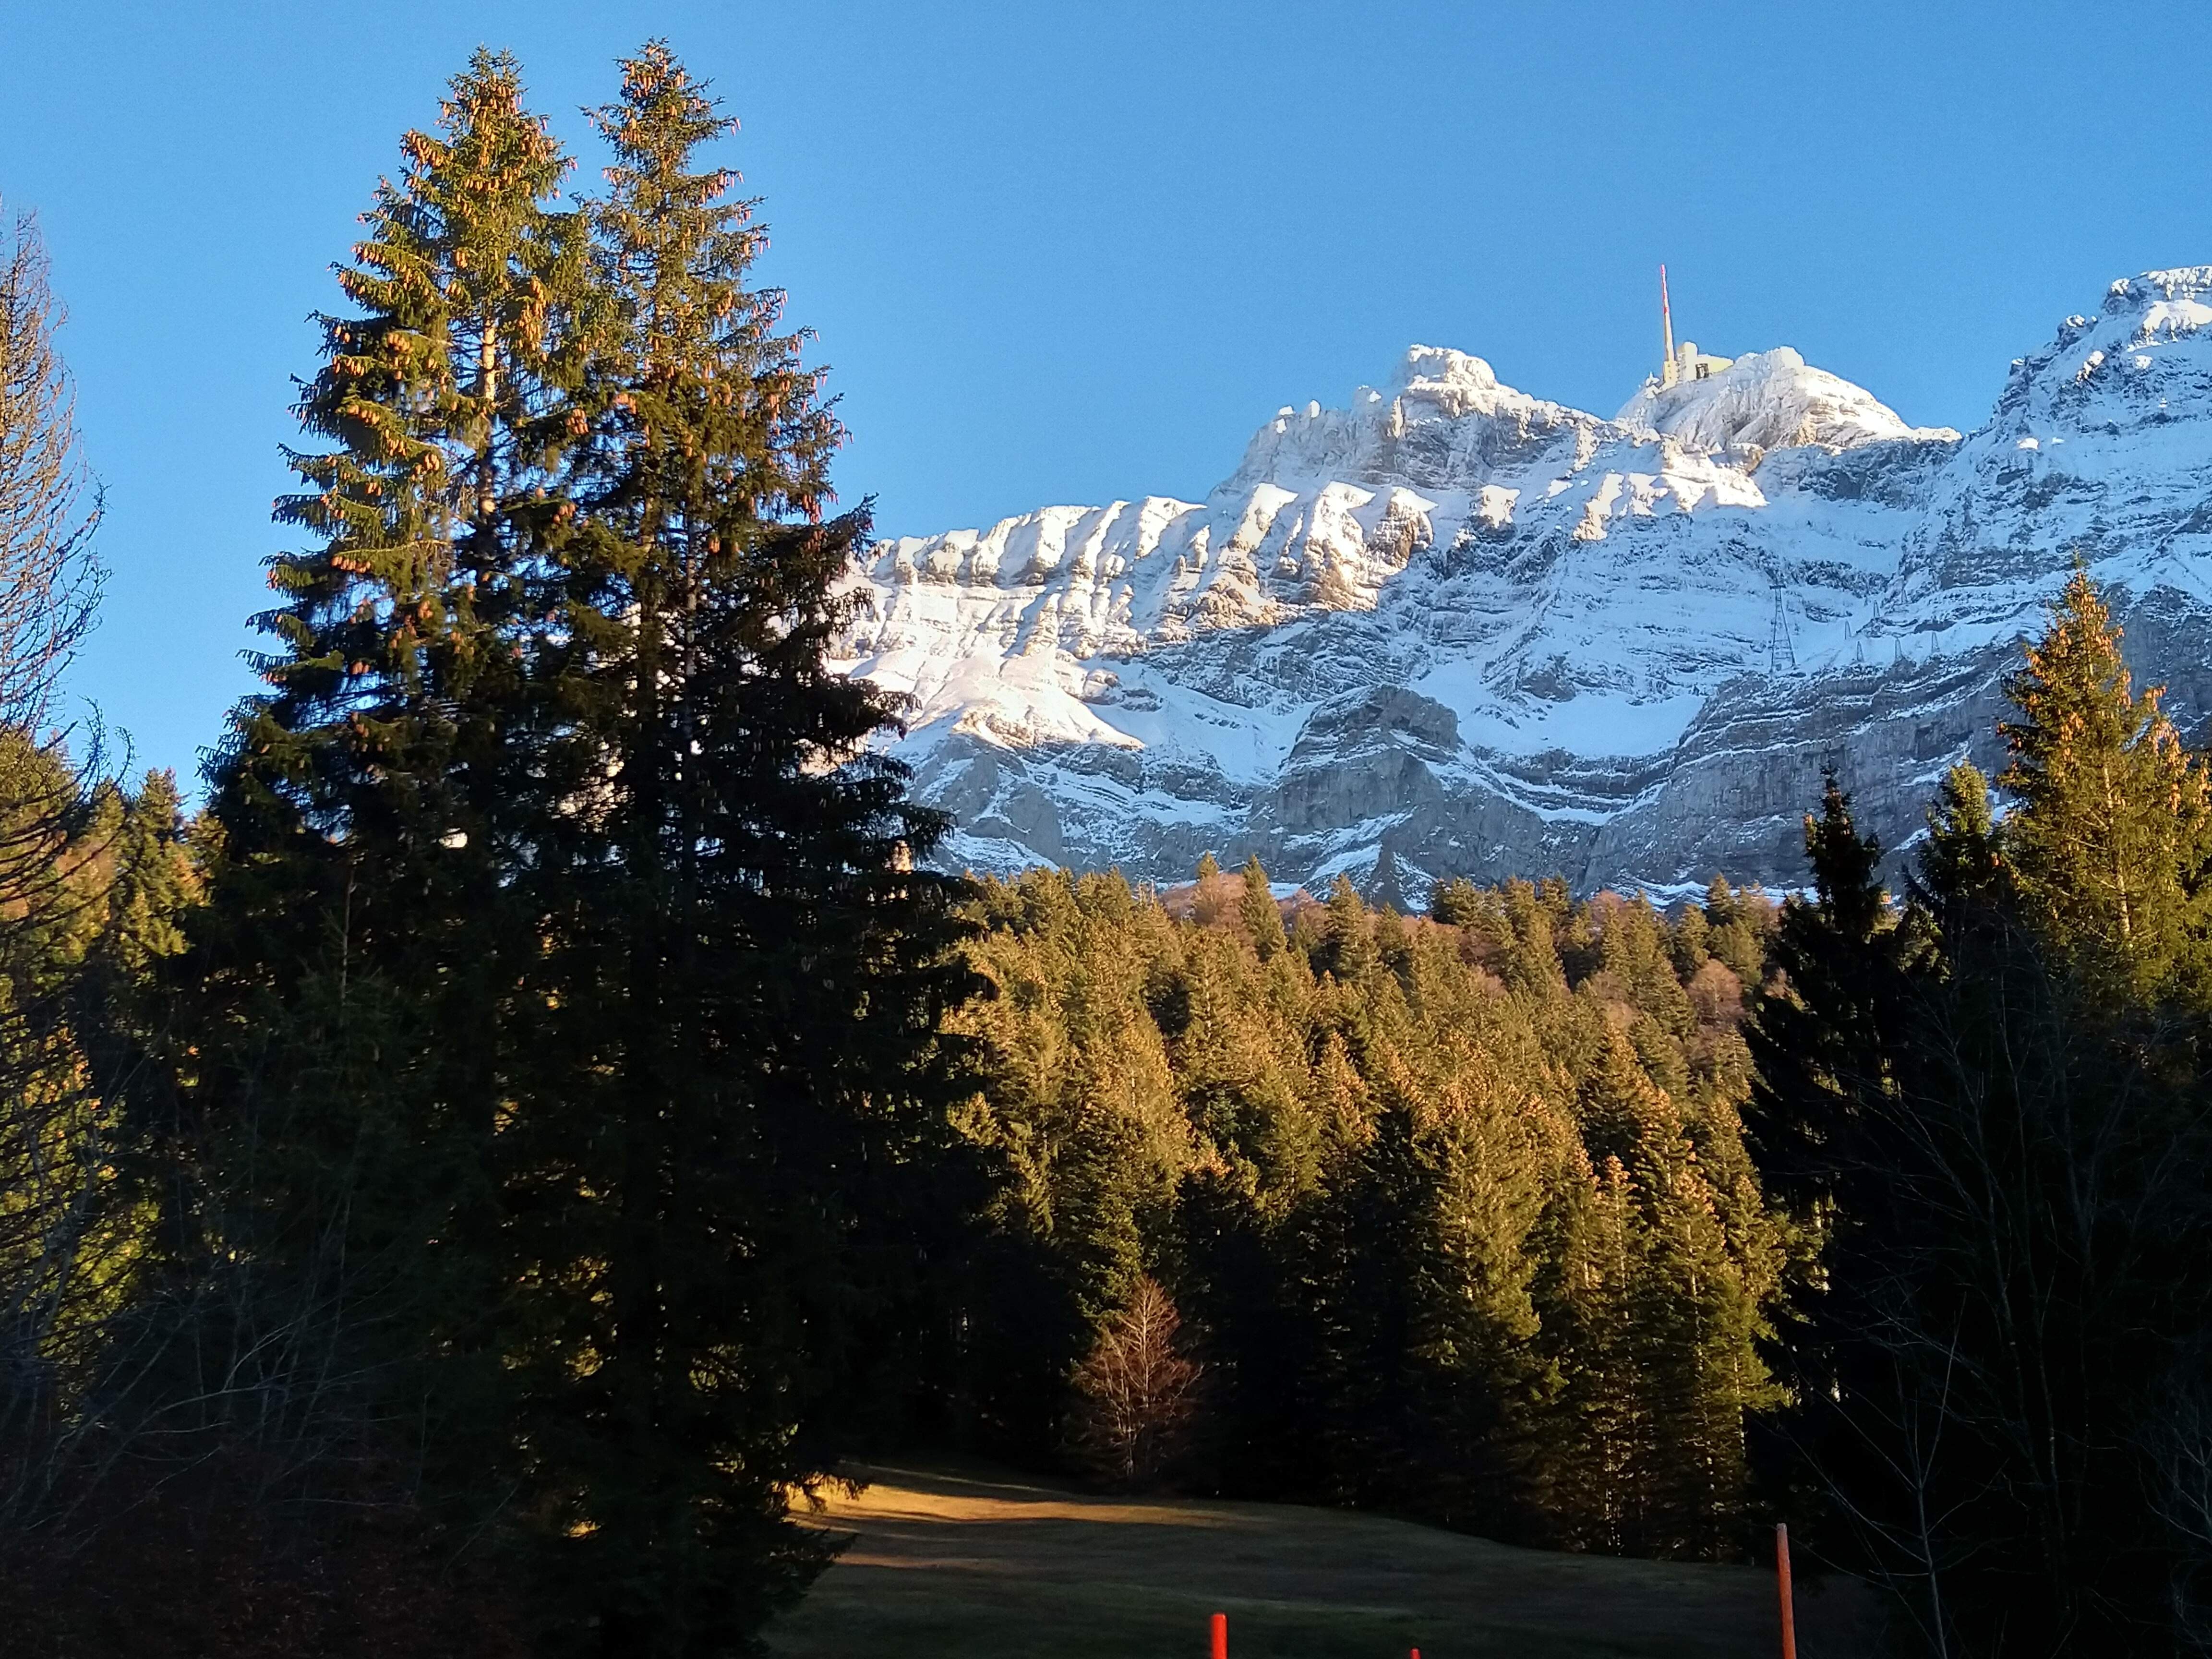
2182, 284
1453, 380
1769, 400
1386, 435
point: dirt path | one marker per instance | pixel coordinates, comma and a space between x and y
985, 1565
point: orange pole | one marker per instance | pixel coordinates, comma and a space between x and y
1782, 1576
1220, 1636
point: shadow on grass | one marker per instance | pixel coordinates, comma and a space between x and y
958, 1560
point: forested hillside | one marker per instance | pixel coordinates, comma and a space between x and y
1457, 1212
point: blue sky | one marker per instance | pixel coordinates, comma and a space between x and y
1062, 252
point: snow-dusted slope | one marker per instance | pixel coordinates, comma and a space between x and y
1498, 635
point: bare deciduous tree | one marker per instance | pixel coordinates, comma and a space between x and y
49, 504
1135, 1393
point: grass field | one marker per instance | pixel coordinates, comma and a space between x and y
981, 1564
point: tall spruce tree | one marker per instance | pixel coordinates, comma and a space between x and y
1351, 941
730, 1080
1962, 863
2110, 852
344, 989
1599, 1450
1257, 910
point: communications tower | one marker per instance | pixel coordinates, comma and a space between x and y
1686, 361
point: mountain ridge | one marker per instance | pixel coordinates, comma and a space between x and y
1500, 635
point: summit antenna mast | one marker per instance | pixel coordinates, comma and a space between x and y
1667, 327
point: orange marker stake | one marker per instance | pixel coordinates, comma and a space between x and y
1782, 1577
1220, 1636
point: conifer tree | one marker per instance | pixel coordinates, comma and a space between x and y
1698, 1311
1458, 903
726, 1087
1262, 921
346, 986
1364, 1286
1394, 945
155, 883
439, 402
359, 801
1690, 942
1531, 958
1351, 944
1595, 1456
1623, 1116
2110, 851
1815, 1042
1961, 862
1733, 931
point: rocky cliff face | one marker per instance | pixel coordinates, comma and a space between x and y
1497, 635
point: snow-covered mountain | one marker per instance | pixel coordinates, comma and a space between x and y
1498, 635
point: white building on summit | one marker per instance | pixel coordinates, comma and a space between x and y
1687, 363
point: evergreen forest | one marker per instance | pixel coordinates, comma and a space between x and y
476, 1161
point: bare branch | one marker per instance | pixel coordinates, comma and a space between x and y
50, 504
